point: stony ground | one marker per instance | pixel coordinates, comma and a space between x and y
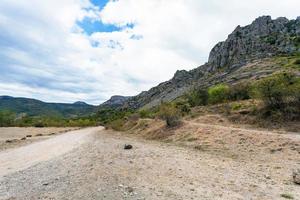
100, 168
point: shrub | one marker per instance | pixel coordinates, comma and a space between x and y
280, 92
146, 114
197, 97
183, 107
170, 114
117, 124
218, 94
240, 91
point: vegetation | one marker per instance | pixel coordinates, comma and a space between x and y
240, 91
218, 94
169, 113
280, 94
6, 118
11, 119
34, 107
289, 62
197, 97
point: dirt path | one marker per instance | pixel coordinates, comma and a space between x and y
101, 169
21, 158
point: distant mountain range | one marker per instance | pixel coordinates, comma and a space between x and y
33, 107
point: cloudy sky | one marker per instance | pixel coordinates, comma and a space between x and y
88, 50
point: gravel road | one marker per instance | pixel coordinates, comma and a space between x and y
92, 164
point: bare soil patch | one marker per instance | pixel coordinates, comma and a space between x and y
11, 137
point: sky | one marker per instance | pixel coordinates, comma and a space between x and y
89, 50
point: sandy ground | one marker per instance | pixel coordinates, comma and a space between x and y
99, 168
11, 137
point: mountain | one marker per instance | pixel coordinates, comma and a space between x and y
248, 53
79, 103
33, 107
114, 101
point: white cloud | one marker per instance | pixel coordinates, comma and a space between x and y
45, 55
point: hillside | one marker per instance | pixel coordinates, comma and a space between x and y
251, 52
33, 107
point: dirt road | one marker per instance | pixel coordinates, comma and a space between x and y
99, 168
26, 156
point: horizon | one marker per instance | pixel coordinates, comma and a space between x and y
91, 50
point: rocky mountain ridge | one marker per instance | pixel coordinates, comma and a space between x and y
243, 55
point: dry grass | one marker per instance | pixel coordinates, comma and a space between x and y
218, 134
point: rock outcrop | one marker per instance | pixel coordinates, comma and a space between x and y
115, 101
231, 60
263, 38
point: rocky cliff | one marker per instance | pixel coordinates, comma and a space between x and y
263, 38
244, 54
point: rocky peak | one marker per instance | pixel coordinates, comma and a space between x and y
263, 38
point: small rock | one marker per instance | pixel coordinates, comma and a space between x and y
28, 135
11, 141
275, 150
296, 176
24, 138
267, 177
130, 189
127, 146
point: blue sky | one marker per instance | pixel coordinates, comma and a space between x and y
82, 50
91, 26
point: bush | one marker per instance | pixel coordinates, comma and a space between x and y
117, 124
146, 114
170, 114
240, 91
279, 92
183, 107
218, 94
197, 97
